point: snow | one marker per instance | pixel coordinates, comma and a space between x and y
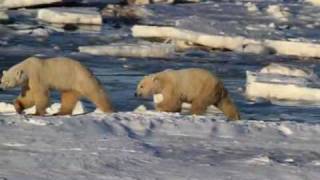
274, 140
152, 145
7, 108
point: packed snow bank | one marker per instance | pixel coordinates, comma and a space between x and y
283, 82
7, 108
150, 145
70, 16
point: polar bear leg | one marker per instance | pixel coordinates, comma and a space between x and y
41, 99
69, 100
24, 101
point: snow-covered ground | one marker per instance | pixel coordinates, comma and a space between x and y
275, 139
150, 145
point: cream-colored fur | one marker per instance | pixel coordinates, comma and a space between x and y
157, 98
196, 86
37, 77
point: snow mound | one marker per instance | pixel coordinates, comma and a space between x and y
7, 108
154, 145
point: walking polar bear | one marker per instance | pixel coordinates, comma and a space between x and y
38, 76
196, 86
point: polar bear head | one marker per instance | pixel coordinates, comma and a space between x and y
12, 78
148, 86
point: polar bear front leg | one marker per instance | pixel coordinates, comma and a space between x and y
168, 104
24, 100
22, 103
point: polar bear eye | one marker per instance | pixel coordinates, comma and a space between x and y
141, 86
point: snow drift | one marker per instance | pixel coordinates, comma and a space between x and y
151, 145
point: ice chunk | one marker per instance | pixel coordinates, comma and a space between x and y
255, 49
234, 43
288, 70
314, 2
144, 2
131, 50
278, 12
140, 108
282, 87
26, 3
251, 7
3, 16
13, 144
285, 130
260, 160
70, 16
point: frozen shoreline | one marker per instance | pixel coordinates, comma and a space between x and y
151, 145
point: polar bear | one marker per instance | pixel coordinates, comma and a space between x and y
38, 76
196, 86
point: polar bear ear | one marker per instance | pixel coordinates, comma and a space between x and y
4, 72
155, 78
156, 81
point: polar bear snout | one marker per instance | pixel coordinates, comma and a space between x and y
136, 94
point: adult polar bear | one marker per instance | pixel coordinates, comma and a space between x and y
38, 76
196, 86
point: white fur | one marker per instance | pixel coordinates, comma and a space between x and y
157, 98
